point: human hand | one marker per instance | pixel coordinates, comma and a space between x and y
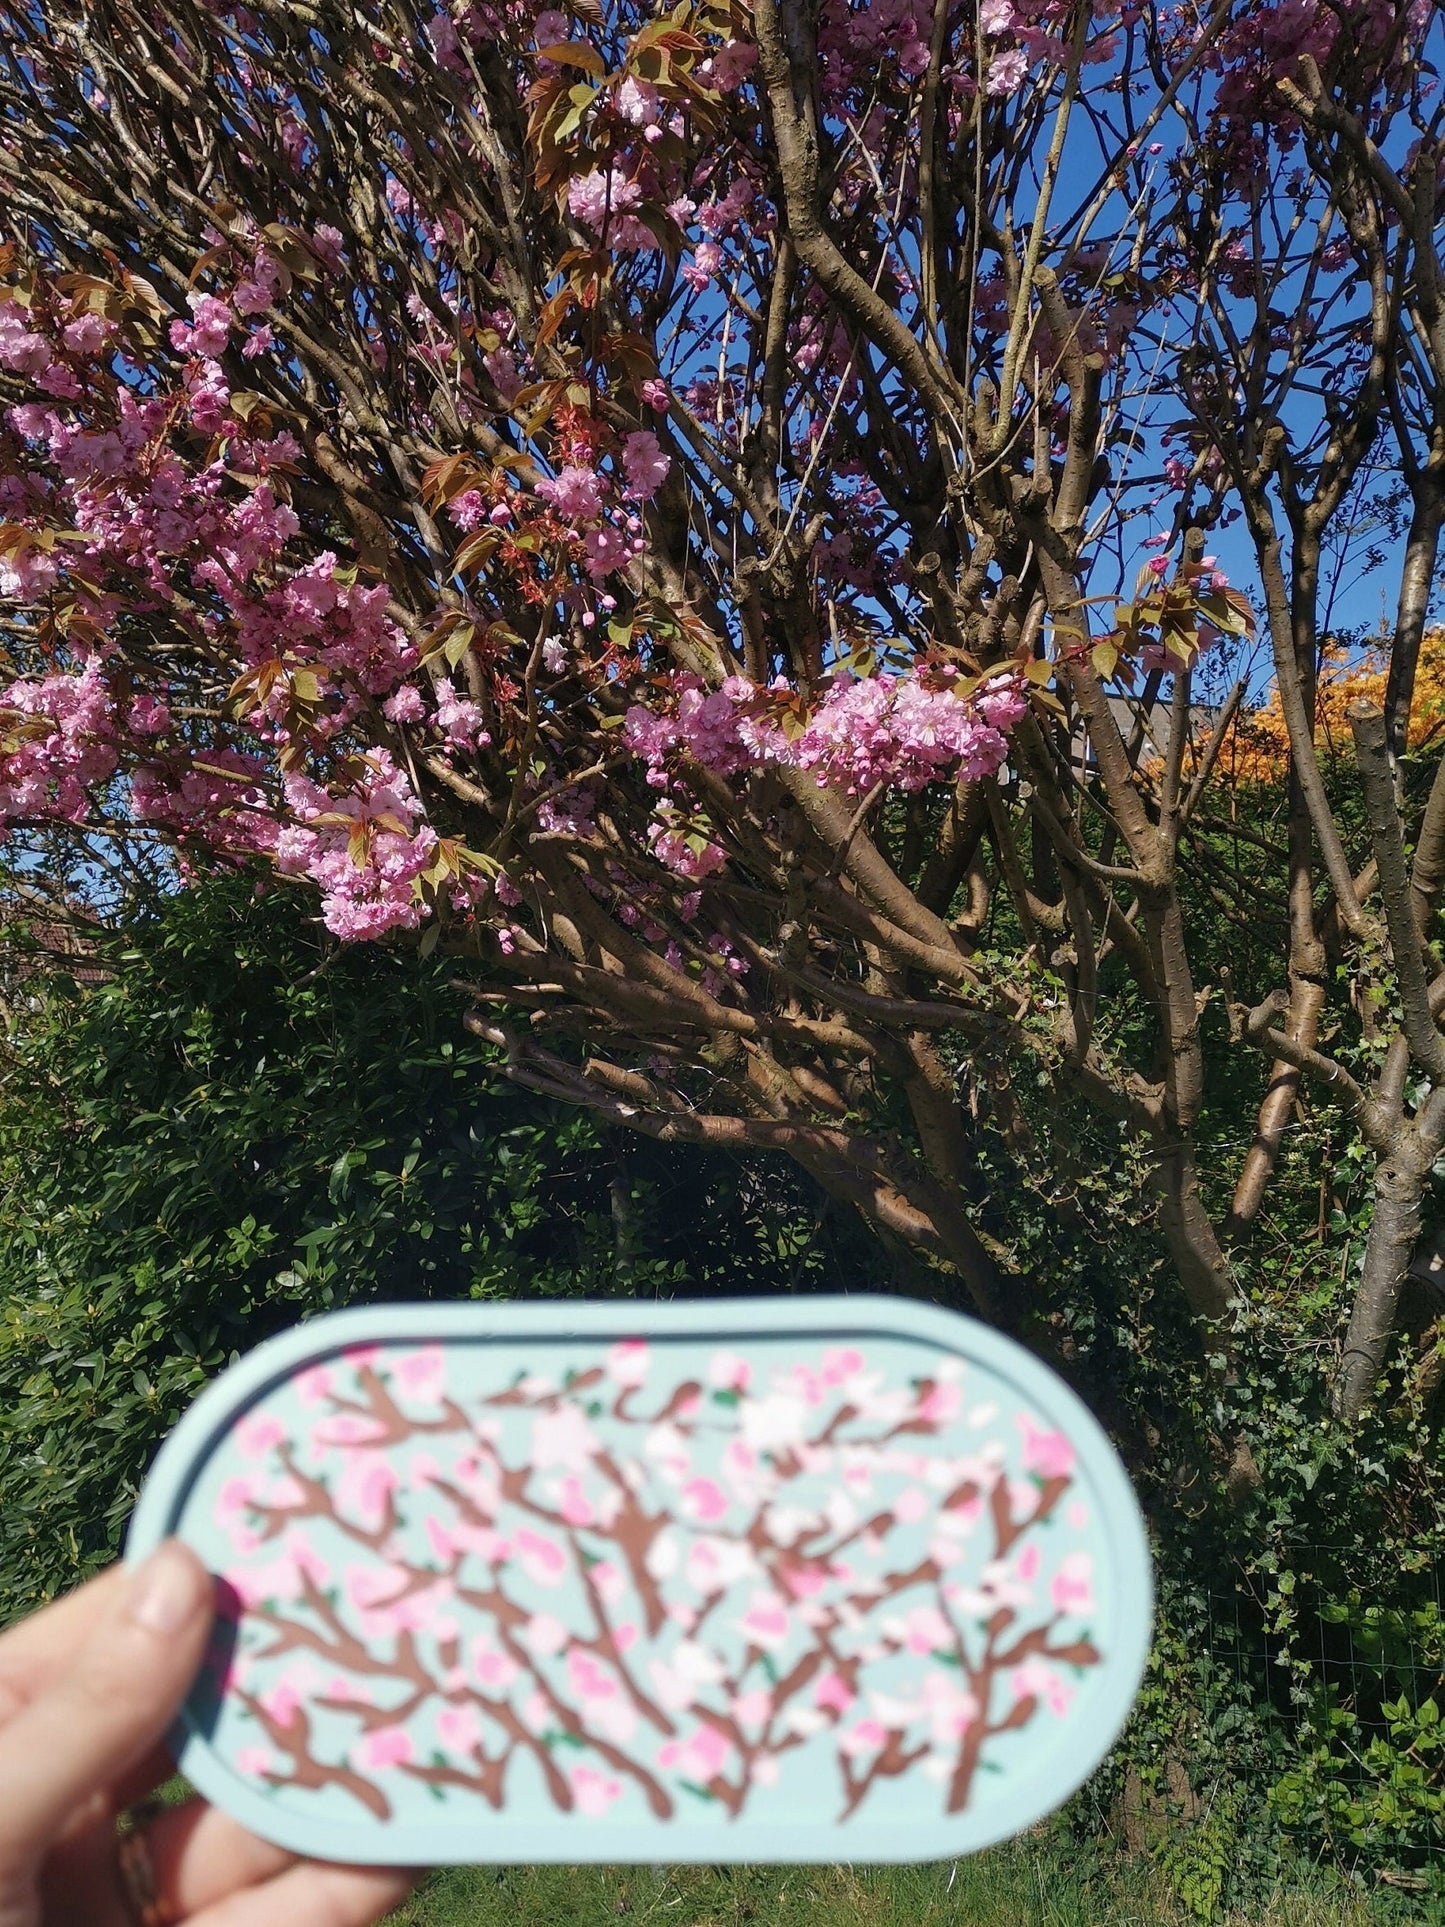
87, 1690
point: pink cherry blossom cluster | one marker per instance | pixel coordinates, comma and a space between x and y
896, 31
209, 555
222, 798
649, 910
898, 731
1265, 43
602, 202
894, 730
365, 849
27, 571
596, 506
579, 492
59, 741
858, 45
630, 202
687, 852
730, 66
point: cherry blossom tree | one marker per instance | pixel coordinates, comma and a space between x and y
695, 509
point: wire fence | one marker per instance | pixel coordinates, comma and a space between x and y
1334, 1635
1345, 1694
1358, 1688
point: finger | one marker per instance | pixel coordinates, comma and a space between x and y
200, 1855
36, 1652
112, 1704
313, 1895
197, 1857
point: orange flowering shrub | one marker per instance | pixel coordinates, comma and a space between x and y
1257, 750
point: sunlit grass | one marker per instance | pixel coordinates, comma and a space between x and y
1026, 1884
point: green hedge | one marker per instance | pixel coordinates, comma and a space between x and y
246, 1125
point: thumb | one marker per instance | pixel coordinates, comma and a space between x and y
117, 1698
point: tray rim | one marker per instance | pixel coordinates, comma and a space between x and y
695, 1840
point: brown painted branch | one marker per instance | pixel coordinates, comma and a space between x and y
892, 1759
487, 1775
1007, 1531
307, 1771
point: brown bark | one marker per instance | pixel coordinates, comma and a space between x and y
1417, 580
1428, 872
1276, 1109
1199, 1258
1367, 722
1394, 1231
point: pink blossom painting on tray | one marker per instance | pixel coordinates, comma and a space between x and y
656, 1582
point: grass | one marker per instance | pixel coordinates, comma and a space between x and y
1028, 1883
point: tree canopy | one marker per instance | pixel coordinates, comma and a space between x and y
694, 511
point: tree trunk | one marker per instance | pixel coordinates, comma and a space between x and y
1198, 1256
1399, 1186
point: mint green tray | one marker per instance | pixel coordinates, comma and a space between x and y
828, 1579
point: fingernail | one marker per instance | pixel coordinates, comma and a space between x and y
168, 1590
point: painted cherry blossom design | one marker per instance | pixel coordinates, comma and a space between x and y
629, 1593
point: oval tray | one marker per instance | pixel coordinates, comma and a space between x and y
832, 1579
